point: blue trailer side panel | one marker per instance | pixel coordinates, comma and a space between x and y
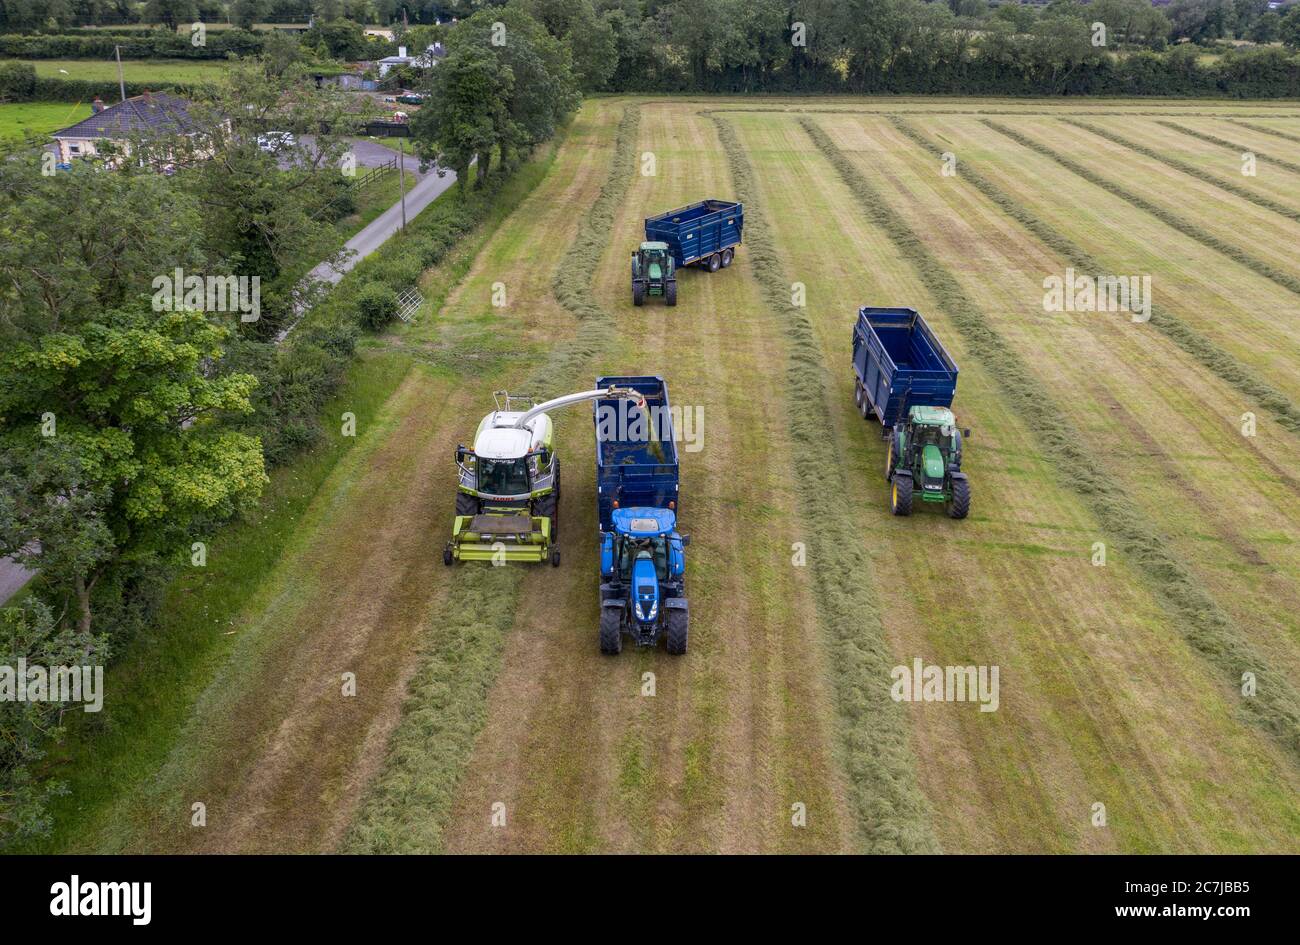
900, 363
699, 230
636, 451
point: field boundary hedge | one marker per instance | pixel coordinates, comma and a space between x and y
1194, 614
407, 806
1205, 351
1191, 170
892, 812
1191, 230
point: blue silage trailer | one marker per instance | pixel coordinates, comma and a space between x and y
704, 234
642, 557
899, 364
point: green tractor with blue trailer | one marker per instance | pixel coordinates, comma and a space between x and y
653, 274
906, 379
642, 556
508, 488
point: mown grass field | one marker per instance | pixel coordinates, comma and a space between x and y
133, 70
1121, 684
39, 118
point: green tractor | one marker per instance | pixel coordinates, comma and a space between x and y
653, 273
925, 457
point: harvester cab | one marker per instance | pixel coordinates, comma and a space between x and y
653, 273
642, 572
508, 491
924, 457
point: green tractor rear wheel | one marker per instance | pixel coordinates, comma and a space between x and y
959, 504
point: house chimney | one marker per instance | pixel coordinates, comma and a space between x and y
147, 96
97, 105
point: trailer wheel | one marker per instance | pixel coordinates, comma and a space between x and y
857, 393
959, 506
900, 499
727, 256
678, 630
638, 293
889, 460
466, 504
715, 262
611, 631
670, 293
864, 406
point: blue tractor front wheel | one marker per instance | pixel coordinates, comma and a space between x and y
611, 631
677, 631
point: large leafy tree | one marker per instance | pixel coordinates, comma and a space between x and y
116, 444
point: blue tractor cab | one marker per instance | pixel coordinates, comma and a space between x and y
642, 574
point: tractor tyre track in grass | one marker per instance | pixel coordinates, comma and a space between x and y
893, 814
1187, 168
1205, 626
410, 807
1187, 338
1224, 143
1274, 274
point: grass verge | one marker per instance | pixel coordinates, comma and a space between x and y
1285, 279
1206, 352
892, 812
1203, 624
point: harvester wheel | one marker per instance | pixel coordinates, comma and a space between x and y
670, 293
638, 293
466, 504
555, 558
678, 628
901, 496
446, 556
545, 508
727, 256
715, 262
611, 631
959, 506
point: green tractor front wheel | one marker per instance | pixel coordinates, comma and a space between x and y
638, 293
670, 293
959, 504
900, 499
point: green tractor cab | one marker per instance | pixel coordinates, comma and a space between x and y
653, 273
924, 461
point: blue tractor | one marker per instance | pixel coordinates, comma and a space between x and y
642, 563
642, 581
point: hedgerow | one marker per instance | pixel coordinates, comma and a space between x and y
1205, 351
1283, 278
1193, 612
892, 813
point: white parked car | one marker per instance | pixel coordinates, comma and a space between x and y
274, 141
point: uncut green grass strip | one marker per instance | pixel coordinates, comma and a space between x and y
1224, 365
892, 812
407, 808
1190, 169
1285, 279
1193, 612
1264, 129
1225, 143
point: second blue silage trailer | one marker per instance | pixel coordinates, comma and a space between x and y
899, 364
704, 234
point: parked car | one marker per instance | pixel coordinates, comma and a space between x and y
274, 141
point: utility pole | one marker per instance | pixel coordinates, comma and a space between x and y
121, 83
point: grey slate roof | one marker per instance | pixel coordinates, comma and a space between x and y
158, 111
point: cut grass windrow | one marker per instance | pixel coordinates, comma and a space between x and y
1186, 227
1224, 143
407, 808
1205, 351
1276, 706
1264, 129
893, 814
1188, 168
